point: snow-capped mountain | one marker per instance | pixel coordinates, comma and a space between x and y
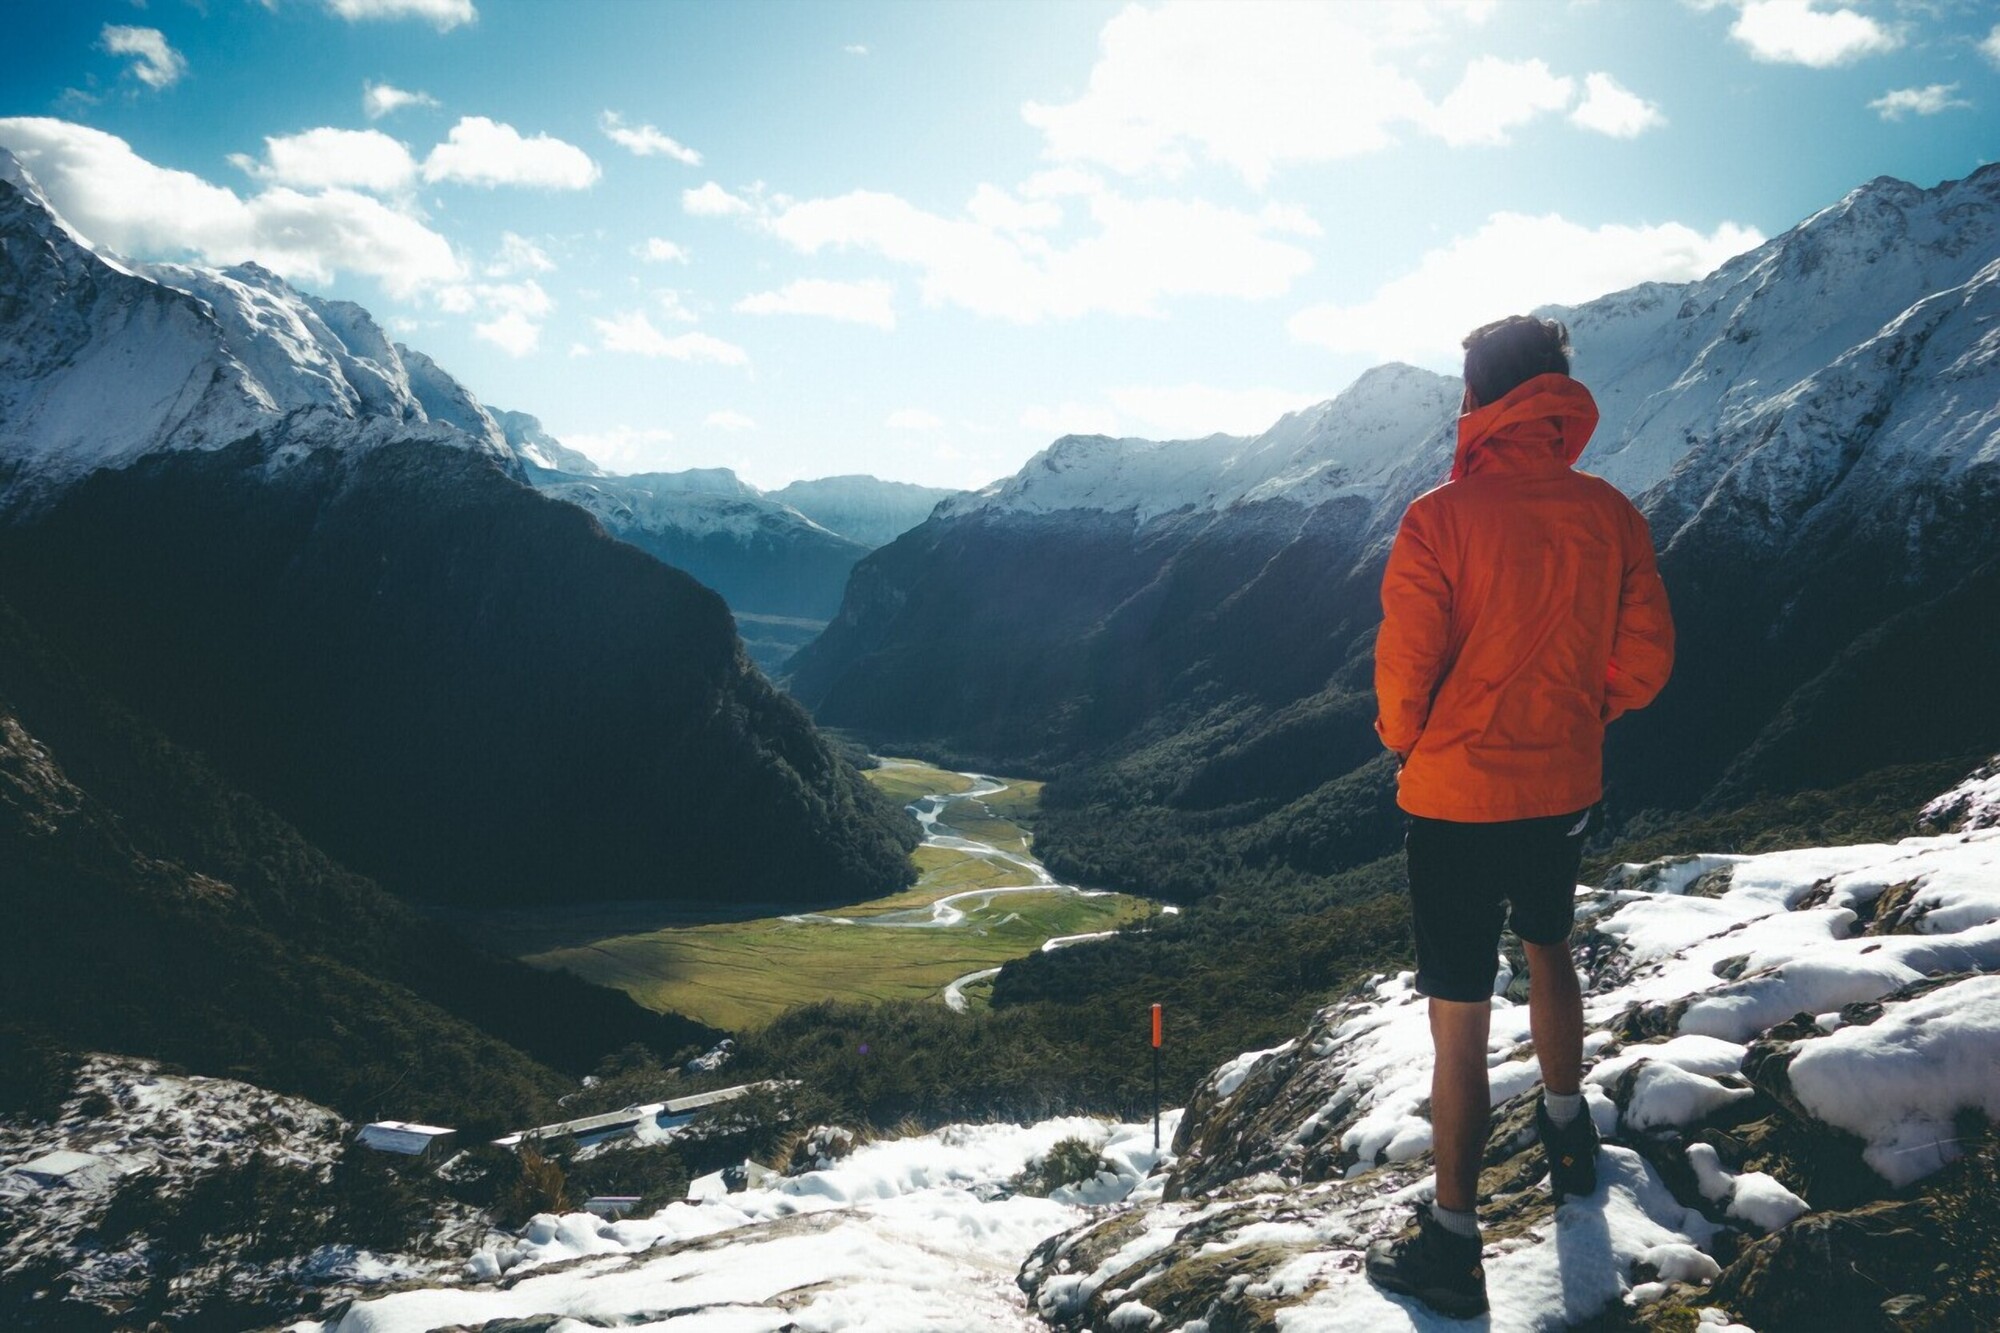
105, 361
310, 553
649, 508
124, 359
133, 358
861, 508
539, 449
781, 573
1810, 429
699, 502
1349, 445
1813, 333
781, 570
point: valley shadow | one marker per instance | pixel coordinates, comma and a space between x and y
519, 931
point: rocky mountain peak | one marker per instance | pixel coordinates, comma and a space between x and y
540, 449
112, 361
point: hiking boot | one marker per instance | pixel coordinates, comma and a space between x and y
1571, 1150
1440, 1268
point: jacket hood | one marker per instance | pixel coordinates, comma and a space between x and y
1547, 416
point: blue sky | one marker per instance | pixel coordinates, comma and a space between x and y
923, 239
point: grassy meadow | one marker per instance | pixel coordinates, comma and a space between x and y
743, 973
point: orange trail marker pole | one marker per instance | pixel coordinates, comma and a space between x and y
1156, 1078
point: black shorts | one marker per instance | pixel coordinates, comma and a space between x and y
1464, 878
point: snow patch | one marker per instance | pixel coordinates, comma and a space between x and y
1900, 1081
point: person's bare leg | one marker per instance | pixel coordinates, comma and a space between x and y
1459, 1099
1555, 1015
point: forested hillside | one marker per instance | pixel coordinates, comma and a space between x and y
164, 913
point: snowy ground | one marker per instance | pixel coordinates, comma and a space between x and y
1701, 954
901, 1236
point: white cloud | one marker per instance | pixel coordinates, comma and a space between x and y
673, 306
913, 418
512, 332
444, 15
518, 254
853, 302
1610, 108
659, 250
646, 141
1496, 96
514, 310
1925, 101
1289, 219
1059, 182
324, 158
1990, 48
154, 63
1512, 264
1795, 32
1141, 252
1251, 87
1071, 419
712, 201
623, 448
1257, 87
527, 298
1189, 411
633, 332
855, 49
993, 207
381, 99
121, 200
479, 151
729, 420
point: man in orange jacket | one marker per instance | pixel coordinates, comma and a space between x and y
1521, 612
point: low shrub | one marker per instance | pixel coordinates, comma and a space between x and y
1071, 1161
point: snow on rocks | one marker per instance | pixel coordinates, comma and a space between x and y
1900, 1081
1231, 1076
1703, 1037
1566, 1269
1754, 1196
899, 1235
129, 1122
1664, 1094
1972, 804
134, 1116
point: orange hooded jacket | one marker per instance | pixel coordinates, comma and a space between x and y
1521, 611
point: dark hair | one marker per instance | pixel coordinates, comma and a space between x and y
1501, 356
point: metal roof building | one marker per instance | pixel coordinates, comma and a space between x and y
409, 1140
663, 1115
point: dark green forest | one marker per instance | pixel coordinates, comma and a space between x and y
164, 913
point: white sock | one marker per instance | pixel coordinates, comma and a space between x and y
1460, 1224
1563, 1106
